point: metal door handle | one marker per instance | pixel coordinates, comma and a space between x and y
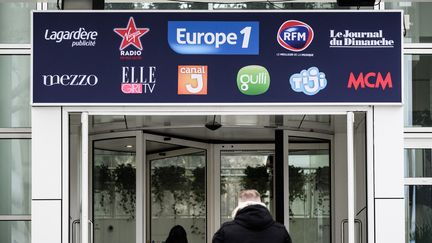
75, 222
356, 221
91, 231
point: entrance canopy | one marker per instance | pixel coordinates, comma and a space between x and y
140, 58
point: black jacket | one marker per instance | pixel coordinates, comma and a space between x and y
252, 224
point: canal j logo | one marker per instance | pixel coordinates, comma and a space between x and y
253, 80
295, 35
309, 82
192, 80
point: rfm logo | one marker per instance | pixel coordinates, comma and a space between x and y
131, 36
370, 80
295, 35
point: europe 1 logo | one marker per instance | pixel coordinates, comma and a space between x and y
131, 46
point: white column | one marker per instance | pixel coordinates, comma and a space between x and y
389, 174
46, 175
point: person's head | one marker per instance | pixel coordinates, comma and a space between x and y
177, 234
249, 196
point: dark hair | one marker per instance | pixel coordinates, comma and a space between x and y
177, 234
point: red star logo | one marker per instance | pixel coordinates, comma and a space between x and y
131, 34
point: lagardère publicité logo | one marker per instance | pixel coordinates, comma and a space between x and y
253, 80
192, 80
309, 82
131, 36
76, 38
295, 35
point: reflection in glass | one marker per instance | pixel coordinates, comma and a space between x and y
418, 214
15, 231
418, 86
417, 20
15, 194
418, 163
178, 191
15, 21
15, 91
309, 195
245, 170
114, 190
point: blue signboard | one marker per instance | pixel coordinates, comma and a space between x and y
99, 58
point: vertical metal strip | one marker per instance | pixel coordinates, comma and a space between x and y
140, 185
350, 172
84, 179
286, 178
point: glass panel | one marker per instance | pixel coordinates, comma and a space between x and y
15, 231
417, 20
15, 22
418, 87
418, 163
273, 5
309, 195
245, 170
178, 191
418, 214
15, 194
15, 91
109, 4
114, 190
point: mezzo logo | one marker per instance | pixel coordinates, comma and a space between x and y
295, 35
309, 82
192, 80
70, 80
214, 37
370, 80
253, 80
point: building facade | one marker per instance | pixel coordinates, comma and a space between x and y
42, 154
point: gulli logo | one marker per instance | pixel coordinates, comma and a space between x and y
253, 80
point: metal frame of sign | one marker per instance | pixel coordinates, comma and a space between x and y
198, 104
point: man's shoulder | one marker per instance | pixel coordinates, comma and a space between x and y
228, 224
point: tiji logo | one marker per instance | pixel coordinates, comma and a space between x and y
253, 80
295, 35
371, 80
192, 80
131, 36
309, 82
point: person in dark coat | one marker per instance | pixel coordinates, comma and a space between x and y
177, 234
252, 223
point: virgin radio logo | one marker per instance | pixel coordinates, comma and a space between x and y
295, 35
131, 46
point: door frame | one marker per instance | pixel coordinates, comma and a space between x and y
226, 109
146, 176
138, 179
